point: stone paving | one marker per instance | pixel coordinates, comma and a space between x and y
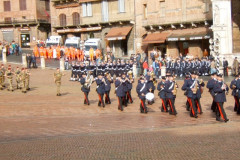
40, 125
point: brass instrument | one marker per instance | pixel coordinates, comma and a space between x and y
200, 81
224, 86
153, 77
130, 76
88, 81
195, 88
175, 87
233, 86
108, 76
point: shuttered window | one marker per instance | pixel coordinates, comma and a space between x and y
121, 6
22, 5
105, 10
84, 9
8, 20
62, 19
87, 9
47, 5
7, 6
76, 18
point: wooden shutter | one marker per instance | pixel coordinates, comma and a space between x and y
62, 19
22, 4
89, 9
7, 6
76, 17
121, 5
84, 9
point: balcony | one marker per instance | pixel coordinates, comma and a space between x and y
13, 22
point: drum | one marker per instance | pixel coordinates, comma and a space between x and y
150, 97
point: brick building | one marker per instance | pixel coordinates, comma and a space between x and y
110, 20
172, 27
24, 21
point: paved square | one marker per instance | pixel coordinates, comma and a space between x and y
40, 125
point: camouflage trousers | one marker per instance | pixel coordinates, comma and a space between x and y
58, 87
10, 86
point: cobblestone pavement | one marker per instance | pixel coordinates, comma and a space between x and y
40, 125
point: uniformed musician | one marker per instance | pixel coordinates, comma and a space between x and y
100, 81
142, 91
85, 88
162, 94
220, 89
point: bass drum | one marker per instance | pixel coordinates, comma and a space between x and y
150, 97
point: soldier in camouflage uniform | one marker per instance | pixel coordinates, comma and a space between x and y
2, 77
57, 79
18, 78
9, 74
23, 80
27, 79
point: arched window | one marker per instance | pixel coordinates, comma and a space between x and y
62, 19
76, 18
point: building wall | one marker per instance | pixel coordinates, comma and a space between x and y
55, 22
167, 12
236, 25
15, 12
114, 14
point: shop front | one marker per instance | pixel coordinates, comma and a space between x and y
188, 42
156, 43
118, 41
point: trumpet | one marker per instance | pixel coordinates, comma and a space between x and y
104, 81
108, 76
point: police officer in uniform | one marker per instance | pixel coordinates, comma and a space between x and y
187, 77
191, 86
210, 86
220, 89
235, 91
82, 69
225, 66
57, 79
125, 88
142, 91
108, 80
170, 89
100, 81
119, 91
150, 86
130, 80
85, 88
162, 94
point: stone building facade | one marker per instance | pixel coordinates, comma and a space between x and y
110, 20
236, 25
172, 27
24, 21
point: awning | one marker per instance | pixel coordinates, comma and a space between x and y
190, 34
118, 33
156, 37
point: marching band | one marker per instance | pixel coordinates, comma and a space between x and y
121, 75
